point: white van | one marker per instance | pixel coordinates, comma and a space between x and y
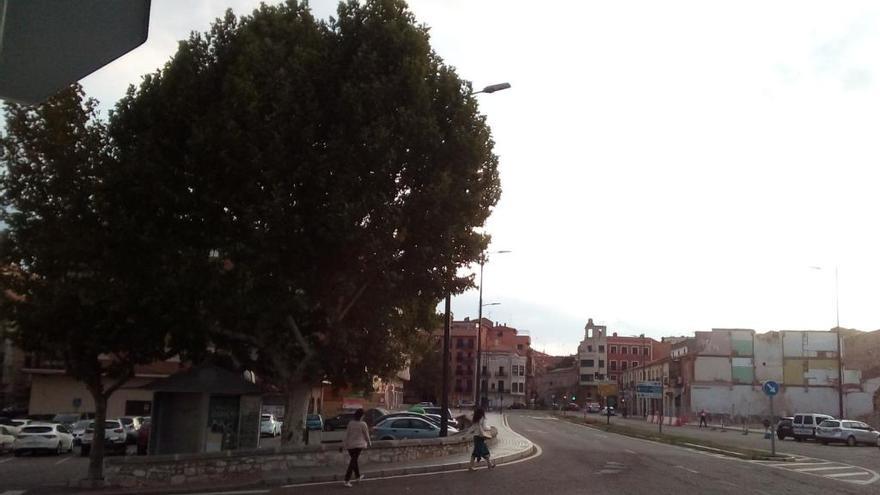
804, 425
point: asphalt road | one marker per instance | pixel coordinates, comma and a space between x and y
577, 459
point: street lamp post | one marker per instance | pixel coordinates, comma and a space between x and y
839, 340
444, 419
480, 392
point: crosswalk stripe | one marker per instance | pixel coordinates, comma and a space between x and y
6, 460
12, 492
841, 475
793, 464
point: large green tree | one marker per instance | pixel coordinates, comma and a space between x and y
339, 173
89, 277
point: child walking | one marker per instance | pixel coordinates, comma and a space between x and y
481, 433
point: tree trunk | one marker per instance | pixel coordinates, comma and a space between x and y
96, 456
295, 409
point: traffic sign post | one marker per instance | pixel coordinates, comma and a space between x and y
771, 388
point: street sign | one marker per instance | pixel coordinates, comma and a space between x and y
45, 45
771, 388
649, 390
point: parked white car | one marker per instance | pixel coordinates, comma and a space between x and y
270, 426
115, 437
7, 438
37, 437
846, 431
79, 429
804, 425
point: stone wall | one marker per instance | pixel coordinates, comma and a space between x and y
255, 465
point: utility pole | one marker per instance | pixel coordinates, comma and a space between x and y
444, 401
839, 345
478, 401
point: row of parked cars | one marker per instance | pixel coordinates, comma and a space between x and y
826, 429
421, 421
62, 432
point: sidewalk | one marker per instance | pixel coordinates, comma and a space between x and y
508, 446
730, 435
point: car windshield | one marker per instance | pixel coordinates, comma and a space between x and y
313, 417
37, 429
266, 417
82, 424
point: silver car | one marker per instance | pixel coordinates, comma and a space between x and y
846, 431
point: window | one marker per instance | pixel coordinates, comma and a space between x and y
493, 385
612, 365
600, 376
635, 364
635, 351
138, 408
500, 334
459, 343
613, 378
586, 378
501, 385
623, 365
501, 371
808, 420
601, 363
519, 347
587, 363
613, 349
470, 386
623, 350
589, 348
601, 348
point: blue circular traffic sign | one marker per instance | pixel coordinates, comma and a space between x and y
771, 388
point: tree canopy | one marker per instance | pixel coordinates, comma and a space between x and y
338, 170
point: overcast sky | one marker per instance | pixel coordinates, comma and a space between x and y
666, 166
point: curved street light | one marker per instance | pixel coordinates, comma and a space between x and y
492, 88
478, 392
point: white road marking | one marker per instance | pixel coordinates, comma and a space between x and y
240, 492
827, 468
12, 492
688, 469
6, 460
630, 451
842, 475
792, 464
609, 471
62, 461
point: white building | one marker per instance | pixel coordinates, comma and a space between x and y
507, 378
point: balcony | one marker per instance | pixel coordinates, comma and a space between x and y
501, 373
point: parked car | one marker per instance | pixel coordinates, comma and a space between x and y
466, 404
78, 429
608, 411
403, 427
784, 428
593, 407
437, 411
338, 422
407, 414
315, 422
55, 438
269, 426
115, 437
846, 431
143, 438
131, 424
7, 438
518, 405
572, 406
371, 416
68, 419
804, 425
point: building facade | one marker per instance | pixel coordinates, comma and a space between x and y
721, 372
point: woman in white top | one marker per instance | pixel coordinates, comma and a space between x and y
481, 433
357, 438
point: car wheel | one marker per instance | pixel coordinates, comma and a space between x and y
798, 439
824, 442
851, 441
59, 449
780, 436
